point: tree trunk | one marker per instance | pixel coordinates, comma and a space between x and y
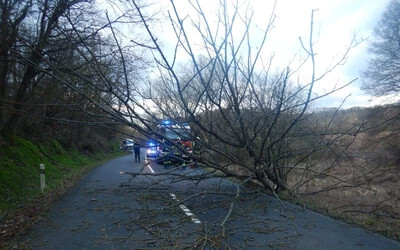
22, 91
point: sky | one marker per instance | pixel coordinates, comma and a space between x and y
338, 20
335, 23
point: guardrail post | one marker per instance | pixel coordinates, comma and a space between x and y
42, 177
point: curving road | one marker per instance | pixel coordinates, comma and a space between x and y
110, 209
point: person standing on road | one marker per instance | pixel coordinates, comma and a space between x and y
136, 149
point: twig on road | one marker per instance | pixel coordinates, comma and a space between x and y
232, 203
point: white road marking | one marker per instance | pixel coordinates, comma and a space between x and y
186, 210
151, 169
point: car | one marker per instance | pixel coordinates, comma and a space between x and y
127, 144
152, 150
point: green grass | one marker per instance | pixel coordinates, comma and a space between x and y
19, 169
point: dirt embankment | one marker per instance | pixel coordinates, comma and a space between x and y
362, 186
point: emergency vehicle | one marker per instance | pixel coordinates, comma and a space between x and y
178, 133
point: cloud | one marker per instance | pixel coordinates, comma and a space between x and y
335, 24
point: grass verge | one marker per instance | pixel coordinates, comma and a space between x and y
21, 200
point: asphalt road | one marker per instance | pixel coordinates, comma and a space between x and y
110, 209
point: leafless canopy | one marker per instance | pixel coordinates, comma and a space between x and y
250, 116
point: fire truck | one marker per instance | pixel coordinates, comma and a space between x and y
176, 146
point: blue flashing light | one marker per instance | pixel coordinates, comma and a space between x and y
166, 122
151, 144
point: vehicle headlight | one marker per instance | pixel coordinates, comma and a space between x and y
148, 151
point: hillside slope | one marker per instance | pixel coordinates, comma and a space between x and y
21, 199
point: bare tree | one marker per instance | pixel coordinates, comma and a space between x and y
49, 49
382, 75
12, 15
250, 117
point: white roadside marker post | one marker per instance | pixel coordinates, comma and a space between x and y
42, 177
